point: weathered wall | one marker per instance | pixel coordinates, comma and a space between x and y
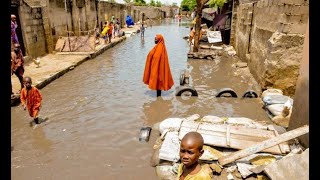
107, 10
300, 111
33, 30
269, 36
150, 12
169, 10
78, 17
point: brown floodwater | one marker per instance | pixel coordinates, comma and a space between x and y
96, 111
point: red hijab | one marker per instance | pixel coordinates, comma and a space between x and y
157, 72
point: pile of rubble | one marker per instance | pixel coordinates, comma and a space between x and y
235, 148
211, 52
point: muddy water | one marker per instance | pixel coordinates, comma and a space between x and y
96, 112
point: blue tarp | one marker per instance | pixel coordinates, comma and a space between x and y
129, 21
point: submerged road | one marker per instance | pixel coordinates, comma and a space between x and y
97, 110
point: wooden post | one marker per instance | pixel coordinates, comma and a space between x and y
264, 145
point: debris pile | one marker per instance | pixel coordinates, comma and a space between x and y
234, 147
277, 106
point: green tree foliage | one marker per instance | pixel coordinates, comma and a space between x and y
188, 5
216, 3
112, 1
140, 2
158, 4
127, 1
152, 3
174, 4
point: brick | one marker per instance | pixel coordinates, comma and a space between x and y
304, 18
304, 9
28, 29
294, 18
298, 28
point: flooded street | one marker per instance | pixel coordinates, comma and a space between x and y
96, 111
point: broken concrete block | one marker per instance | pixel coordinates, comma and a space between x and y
258, 169
231, 169
295, 167
230, 177
241, 64
210, 154
216, 47
215, 168
262, 160
244, 169
204, 47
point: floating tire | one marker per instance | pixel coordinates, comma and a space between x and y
183, 89
224, 91
250, 94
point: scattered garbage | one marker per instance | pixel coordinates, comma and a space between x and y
144, 134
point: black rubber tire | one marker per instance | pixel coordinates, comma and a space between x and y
185, 89
225, 91
250, 94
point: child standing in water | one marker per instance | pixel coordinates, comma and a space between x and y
190, 152
31, 99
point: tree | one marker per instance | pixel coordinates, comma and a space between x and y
216, 3
140, 2
158, 4
152, 3
200, 6
188, 5
112, 1
127, 1
174, 4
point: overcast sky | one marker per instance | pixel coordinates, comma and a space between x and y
162, 1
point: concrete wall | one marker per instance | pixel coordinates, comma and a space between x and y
269, 36
169, 10
300, 111
151, 12
32, 30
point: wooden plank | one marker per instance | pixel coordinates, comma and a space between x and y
264, 145
239, 137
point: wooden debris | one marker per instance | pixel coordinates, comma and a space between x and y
230, 136
264, 145
210, 154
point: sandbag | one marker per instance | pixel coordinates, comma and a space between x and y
275, 109
271, 92
170, 147
276, 99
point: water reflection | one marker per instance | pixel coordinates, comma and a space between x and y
157, 110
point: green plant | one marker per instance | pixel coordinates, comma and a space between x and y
152, 3
188, 5
216, 3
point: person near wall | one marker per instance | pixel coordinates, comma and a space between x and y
157, 74
110, 31
17, 63
14, 26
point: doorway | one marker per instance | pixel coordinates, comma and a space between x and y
14, 10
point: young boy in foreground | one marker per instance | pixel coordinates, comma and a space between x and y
31, 98
190, 152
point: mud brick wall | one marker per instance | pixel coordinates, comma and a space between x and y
269, 35
151, 12
108, 9
32, 30
76, 18
300, 110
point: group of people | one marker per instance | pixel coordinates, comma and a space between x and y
30, 96
157, 76
109, 30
